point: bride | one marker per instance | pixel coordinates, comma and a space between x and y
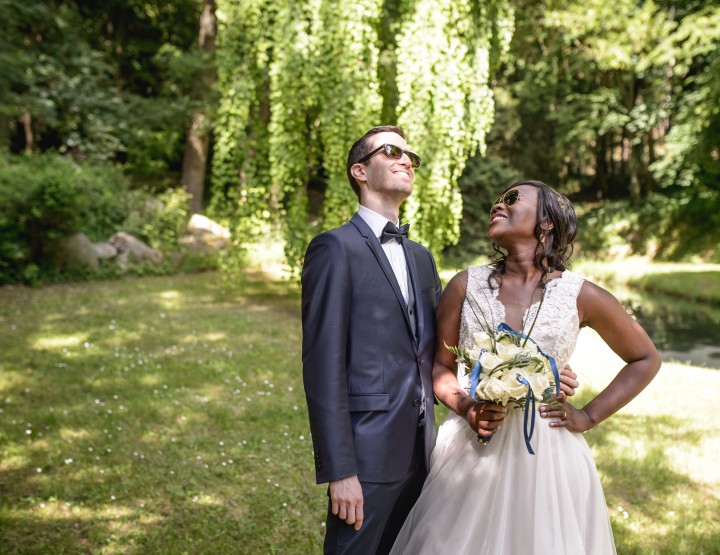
495, 497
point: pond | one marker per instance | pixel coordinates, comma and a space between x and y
683, 331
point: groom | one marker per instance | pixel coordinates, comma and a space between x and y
368, 313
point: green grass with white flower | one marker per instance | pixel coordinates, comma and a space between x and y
166, 415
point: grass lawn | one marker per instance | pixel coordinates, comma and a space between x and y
698, 282
166, 415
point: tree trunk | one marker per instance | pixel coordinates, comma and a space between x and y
601, 167
197, 142
29, 137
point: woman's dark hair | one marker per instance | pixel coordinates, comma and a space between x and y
552, 208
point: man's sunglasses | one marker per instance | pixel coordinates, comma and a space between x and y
394, 152
510, 198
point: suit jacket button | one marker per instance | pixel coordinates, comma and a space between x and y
416, 403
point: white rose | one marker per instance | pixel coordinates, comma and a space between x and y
507, 351
490, 360
517, 389
493, 389
538, 383
481, 340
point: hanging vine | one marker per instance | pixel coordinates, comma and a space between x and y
446, 104
301, 80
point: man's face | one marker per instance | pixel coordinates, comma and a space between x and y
385, 176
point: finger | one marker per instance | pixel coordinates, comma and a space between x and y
350, 515
342, 513
335, 507
359, 517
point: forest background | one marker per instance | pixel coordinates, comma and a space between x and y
130, 115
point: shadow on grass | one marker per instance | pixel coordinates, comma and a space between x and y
144, 413
166, 415
643, 489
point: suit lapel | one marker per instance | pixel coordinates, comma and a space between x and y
414, 283
374, 244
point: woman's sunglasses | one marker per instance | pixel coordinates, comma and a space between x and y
510, 198
394, 152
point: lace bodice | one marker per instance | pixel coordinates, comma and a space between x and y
557, 325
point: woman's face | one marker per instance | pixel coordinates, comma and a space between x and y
515, 221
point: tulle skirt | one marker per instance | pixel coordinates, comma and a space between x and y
498, 499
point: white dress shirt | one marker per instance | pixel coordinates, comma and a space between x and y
393, 250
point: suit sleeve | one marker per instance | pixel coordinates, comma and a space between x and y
326, 298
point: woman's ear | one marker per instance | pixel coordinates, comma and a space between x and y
546, 227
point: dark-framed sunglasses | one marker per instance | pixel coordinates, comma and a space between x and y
510, 198
394, 152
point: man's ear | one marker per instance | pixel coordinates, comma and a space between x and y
358, 172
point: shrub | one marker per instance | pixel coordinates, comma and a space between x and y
159, 220
46, 197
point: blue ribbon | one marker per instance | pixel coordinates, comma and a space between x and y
553, 365
475, 375
530, 398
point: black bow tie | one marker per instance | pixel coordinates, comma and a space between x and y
391, 232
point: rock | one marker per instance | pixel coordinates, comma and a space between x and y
132, 249
76, 251
105, 250
205, 235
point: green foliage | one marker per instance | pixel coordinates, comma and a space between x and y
667, 228
47, 197
159, 220
480, 184
445, 104
301, 81
693, 142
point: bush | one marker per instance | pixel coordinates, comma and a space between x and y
47, 197
672, 228
159, 220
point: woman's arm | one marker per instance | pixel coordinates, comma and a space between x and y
601, 311
485, 418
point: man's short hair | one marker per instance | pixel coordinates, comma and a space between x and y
361, 148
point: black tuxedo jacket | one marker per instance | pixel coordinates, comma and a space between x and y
363, 369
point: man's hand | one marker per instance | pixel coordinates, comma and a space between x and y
347, 500
485, 418
568, 381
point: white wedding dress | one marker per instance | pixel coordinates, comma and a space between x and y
498, 499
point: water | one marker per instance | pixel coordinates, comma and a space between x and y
683, 331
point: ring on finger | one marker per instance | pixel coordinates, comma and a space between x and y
564, 415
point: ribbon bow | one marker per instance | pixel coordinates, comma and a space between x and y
529, 424
391, 232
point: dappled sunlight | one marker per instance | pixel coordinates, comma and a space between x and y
216, 336
58, 341
198, 418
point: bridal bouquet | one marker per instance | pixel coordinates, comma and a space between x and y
509, 369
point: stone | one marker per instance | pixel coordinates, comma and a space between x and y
205, 235
105, 250
76, 251
132, 249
